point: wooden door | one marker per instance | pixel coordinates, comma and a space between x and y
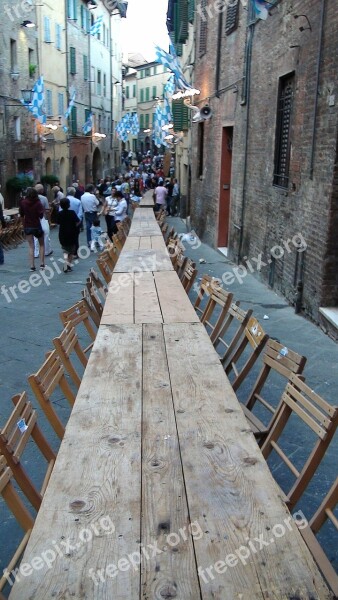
225, 188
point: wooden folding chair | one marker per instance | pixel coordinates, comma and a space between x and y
82, 312
164, 228
299, 400
180, 263
66, 343
105, 270
218, 299
21, 515
188, 275
236, 318
249, 349
117, 241
94, 298
43, 383
101, 289
277, 360
207, 285
324, 512
13, 442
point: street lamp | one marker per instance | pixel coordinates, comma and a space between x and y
91, 4
27, 96
28, 24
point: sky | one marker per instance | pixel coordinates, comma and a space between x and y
145, 27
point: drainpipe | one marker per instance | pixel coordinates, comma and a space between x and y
70, 171
245, 101
300, 285
218, 56
319, 60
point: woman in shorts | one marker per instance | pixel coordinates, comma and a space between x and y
31, 210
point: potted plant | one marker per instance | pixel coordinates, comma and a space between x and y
32, 70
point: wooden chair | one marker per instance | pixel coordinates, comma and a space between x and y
21, 515
13, 443
100, 287
218, 299
118, 242
44, 382
65, 344
299, 400
277, 360
82, 312
207, 285
238, 318
324, 512
105, 270
94, 298
248, 351
164, 228
170, 234
180, 263
188, 275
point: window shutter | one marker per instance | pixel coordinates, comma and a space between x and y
134, 91
127, 92
141, 121
73, 117
203, 29
49, 103
154, 91
182, 32
61, 108
47, 29
231, 21
58, 36
142, 96
72, 53
191, 11
147, 121
147, 94
85, 67
179, 49
180, 114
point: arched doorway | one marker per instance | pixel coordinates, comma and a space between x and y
75, 169
48, 166
97, 165
63, 173
147, 141
87, 170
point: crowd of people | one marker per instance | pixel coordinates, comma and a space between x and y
81, 207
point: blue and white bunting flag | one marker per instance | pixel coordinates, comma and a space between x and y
88, 126
171, 62
38, 101
96, 27
123, 128
134, 124
68, 111
167, 110
261, 8
170, 87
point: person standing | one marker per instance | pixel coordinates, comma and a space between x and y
3, 224
175, 209
120, 212
31, 210
76, 206
109, 206
160, 197
68, 233
89, 204
169, 199
44, 223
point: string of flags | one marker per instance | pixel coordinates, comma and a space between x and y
128, 124
96, 27
38, 102
88, 126
170, 60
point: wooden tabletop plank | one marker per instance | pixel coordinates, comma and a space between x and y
132, 243
144, 228
147, 307
144, 214
145, 243
119, 305
230, 490
175, 304
95, 487
157, 243
143, 260
172, 572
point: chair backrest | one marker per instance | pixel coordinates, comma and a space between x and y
280, 360
94, 298
98, 284
118, 243
322, 418
218, 299
13, 442
207, 285
66, 343
43, 383
188, 275
249, 349
324, 512
82, 312
236, 318
180, 263
21, 515
164, 228
170, 234
105, 269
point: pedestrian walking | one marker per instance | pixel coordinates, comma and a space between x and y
31, 210
160, 196
44, 223
89, 204
109, 206
96, 233
69, 224
175, 208
76, 206
3, 224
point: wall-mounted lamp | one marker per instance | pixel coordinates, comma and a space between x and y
308, 22
27, 96
28, 24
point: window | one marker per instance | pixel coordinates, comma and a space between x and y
180, 115
72, 55
104, 85
47, 37
49, 103
147, 72
200, 146
231, 21
104, 34
58, 33
134, 90
155, 70
99, 80
83, 17
61, 104
142, 96
203, 29
147, 94
127, 92
154, 92
14, 63
100, 123
283, 131
142, 121
17, 129
85, 68
31, 62
73, 120
191, 11
71, 9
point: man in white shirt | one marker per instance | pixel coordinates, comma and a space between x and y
89, 204
44, 223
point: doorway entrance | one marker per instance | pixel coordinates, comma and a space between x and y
225, 188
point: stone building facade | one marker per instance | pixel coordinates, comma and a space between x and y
264, 182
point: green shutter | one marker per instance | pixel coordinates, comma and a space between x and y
191, 11
182, 32
179, 49
147, 121
180, 114
142, 121
127, 92
85, 68
147, 94
72, 52
73, 116
142, 96
134, 90
154, 91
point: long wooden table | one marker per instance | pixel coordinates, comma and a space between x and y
158, 466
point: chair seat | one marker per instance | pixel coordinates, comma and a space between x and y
258, 428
